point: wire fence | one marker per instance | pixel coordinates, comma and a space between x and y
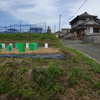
22, 27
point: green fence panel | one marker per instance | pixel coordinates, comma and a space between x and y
31, 46
8, 48
21, 47
0, 45
16, 45
35, 45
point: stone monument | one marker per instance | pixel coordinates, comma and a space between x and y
48, 30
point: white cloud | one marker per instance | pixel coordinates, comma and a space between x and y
48, 10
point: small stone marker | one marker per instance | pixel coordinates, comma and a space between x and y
27, 45
46, 45
3, 45
11, 44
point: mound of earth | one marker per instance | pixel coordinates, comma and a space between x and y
37, 51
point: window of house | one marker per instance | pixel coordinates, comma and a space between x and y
96, 31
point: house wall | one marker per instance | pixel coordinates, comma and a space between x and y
80, 22
74, 25
91, 29
77, 23
65, 31
87, 30
91, 39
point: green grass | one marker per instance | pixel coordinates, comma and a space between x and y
48, 79
27, 36
80, 91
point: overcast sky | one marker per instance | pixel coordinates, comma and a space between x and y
29, 11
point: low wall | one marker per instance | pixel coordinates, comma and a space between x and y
91, 38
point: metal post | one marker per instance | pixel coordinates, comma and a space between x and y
59, 22
45, 26
20, 26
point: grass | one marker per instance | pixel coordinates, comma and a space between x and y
48, 79
80, 92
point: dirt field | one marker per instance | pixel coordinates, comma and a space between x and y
37, 51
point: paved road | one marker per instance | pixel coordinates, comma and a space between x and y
93, 50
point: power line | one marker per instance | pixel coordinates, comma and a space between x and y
75, 12
70, 6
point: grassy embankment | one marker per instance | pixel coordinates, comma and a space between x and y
77, 78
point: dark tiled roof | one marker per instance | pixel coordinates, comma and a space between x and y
89, 23
83, 16
86, 15
98, 21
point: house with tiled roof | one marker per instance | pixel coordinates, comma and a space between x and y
85, 24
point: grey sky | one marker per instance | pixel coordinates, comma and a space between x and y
45, 10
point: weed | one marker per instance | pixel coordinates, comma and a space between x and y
96, 85
46, 80
27, 58
38, 59
71, 82
70, 64
22, 70
54, 71
80, 91
96, 69
88, 77
74, 76
5, 86
75, 59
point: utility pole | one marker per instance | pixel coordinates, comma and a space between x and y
20, 26
54, 28
59, 22
45, 26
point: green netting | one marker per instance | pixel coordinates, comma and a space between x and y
8, 48
0, 45
16, 45
31, 46
35, 45
21, 47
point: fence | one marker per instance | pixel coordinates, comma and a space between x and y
22, 27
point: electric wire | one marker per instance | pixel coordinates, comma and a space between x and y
75, 12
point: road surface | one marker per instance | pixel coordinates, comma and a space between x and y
93, 50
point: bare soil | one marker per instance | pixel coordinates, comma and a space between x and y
37, 51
